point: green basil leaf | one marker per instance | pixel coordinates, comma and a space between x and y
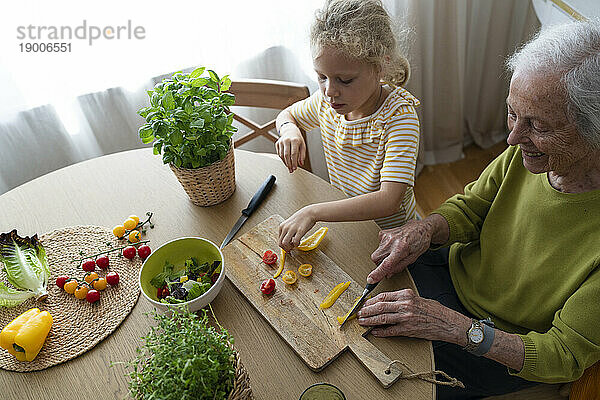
167, 101
213, 76
225, 83
199, 123
199, 82
176, 138
197, 72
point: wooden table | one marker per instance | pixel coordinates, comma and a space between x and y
105, 190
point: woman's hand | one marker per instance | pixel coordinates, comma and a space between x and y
291, 147
292, 229
399, 247
404, 313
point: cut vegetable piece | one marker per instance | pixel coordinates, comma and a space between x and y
311, 242
281, 264
289, 277
305, 269
342, 318
334, 294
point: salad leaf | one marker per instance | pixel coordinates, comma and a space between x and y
26, 267
197, 289
10, 297
167, 275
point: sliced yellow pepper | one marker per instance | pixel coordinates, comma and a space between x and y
334, 294
26, 334
311, 242
281, 264
342, 318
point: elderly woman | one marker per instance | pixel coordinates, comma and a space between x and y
520, 285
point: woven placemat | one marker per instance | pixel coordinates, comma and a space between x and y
78, 325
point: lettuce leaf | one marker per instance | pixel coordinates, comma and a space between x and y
10, 297
24, 262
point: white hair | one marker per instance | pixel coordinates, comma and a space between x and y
572, 51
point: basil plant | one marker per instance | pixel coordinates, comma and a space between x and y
189, 119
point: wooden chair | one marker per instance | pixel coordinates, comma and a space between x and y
262, 93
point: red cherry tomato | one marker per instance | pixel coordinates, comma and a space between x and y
92, 296
267, 286
144, 251
61, 280
112, 278
269, 257
162, 292
88, 265
129, 252
102, 262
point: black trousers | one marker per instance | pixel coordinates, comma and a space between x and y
481, 376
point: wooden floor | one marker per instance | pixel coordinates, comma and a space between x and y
437, 183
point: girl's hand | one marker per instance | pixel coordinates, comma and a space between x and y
291, 147
398, 248
292, 229
404, 313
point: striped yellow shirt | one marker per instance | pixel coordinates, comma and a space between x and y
361, 154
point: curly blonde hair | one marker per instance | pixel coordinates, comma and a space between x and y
363, 30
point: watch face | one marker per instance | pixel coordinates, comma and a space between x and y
476, 335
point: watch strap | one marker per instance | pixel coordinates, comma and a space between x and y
488, 338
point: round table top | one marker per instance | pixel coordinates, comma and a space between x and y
105, 190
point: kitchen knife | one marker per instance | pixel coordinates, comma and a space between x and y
368, 289
253, 205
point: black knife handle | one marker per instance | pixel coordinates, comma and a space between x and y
370, 286
259, 196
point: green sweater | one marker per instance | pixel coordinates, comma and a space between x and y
527, 256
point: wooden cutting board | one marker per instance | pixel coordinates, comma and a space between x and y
293, 310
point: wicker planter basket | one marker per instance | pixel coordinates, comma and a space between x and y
209, 185
241, 385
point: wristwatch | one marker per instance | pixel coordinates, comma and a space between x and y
480, 337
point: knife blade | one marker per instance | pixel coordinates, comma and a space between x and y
258, 197
368, 289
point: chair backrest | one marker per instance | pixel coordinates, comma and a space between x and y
262, 93
588, 386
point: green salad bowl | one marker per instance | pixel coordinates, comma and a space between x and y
176, 252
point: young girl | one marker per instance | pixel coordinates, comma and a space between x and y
369, 127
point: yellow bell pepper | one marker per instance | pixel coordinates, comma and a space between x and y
343, 317
281, 264
26, 334
311, 242
334, 294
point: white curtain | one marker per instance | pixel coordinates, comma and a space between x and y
61, 108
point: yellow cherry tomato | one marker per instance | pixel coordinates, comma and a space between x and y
289, 277
334, 294
90, 277
183, 278
70, 286
81, 291
313, 240
305, 269
135, 218
99, 284
129, 224
134, 236
119, 231
281, 264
